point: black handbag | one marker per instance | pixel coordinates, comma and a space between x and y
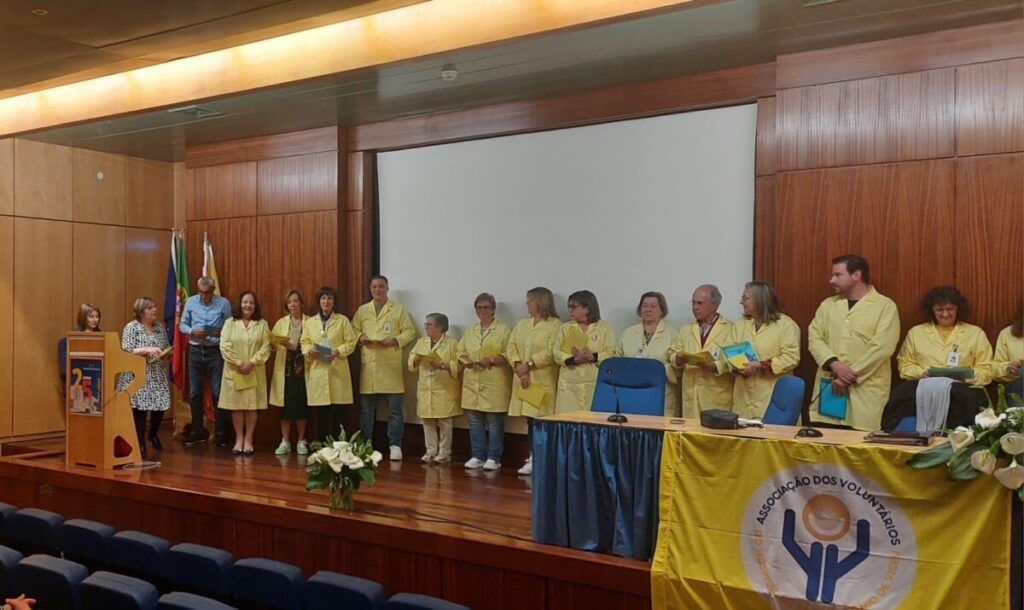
719, 419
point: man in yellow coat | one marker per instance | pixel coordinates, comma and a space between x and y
852, 338
709, 385
384, 329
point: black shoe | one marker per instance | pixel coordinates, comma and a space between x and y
192, 441
142, 450
155, 441
220, 441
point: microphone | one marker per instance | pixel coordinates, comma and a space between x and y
617, 417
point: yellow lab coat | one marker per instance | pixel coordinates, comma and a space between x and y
701, 389
532, 342
576, 383
239, 344
631, 345
1008, 349
437, 391
281, 327
328, 383
777, 341
924, 348
381, 370
864, 338
487, 390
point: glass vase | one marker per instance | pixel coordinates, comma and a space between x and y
342, 495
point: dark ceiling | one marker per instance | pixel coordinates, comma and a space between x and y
691, 39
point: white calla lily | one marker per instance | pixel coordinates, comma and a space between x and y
988, 419
983, 461
961, 437
1012, 476
1012, 443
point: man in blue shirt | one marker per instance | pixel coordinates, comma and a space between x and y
202, 319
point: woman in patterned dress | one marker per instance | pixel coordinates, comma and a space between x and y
145, 336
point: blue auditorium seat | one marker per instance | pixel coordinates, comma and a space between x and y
269, 583
784, 405
199, 568
330, 591
34, 530
9, 559
137, 553
6, 512
85, 541
109, 591
53, 582
188, 601
411, 601
638, 384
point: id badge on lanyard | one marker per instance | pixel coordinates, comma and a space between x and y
387, 328
953, 358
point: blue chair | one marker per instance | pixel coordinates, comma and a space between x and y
137, 553
188, 601
199, 568
85, 541
6, 512
9, 559
784, 406
907, 424
269, 583
53, 582
330, 591
109, 591
34, 530
638, 383
410, 601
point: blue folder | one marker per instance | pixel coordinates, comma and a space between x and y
830, 404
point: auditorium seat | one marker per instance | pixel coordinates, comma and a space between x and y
784, 405
136, 553
907, 424
189, 601
109, 591
85, 541
267, 583
6, 512
53, 582
330, 591
637, 384
198, 568
411, 601
9, 559
33, 530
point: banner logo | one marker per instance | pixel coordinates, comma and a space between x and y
823, 533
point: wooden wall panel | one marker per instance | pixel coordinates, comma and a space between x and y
98, 272
298, 184
263, 147
43, 185
356, 232
7, 176
908, 54
990, 237
766, 141
504, 590
990, 107
147, 253
562, 594
234, 249
149, 187
98, 199
6, 325
875, 120
296, 251
397, 570
764, 227
42, 314
222, 191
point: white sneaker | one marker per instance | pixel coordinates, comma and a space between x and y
527, 468
427, 458
492, 465
474, 463
396, 453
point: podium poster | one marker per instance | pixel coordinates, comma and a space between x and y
86, 379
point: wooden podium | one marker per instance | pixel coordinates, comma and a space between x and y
100, 428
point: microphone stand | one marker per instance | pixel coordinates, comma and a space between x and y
617, 417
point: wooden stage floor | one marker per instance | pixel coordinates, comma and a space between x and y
433, 529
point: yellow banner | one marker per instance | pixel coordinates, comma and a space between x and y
754, 523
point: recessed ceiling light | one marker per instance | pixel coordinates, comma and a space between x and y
39, 12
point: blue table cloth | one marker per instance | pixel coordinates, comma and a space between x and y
595, 487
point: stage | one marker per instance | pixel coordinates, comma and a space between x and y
433, 529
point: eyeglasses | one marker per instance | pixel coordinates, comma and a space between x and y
573, 306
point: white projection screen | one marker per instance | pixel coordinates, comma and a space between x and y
663, 203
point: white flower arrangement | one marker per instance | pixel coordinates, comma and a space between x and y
341, 466
995, 438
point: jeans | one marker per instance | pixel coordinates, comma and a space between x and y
205, 362
481, 426
396, 419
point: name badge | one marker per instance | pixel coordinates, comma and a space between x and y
714, 352
640, 352
953, 359
594, 337
387, 328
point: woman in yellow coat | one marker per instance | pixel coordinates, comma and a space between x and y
945, 340
1009, 356
775, 337
533, 366
435, 358
486, 384
327, 341
652, 338
245, 347
288, 385
579, 346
